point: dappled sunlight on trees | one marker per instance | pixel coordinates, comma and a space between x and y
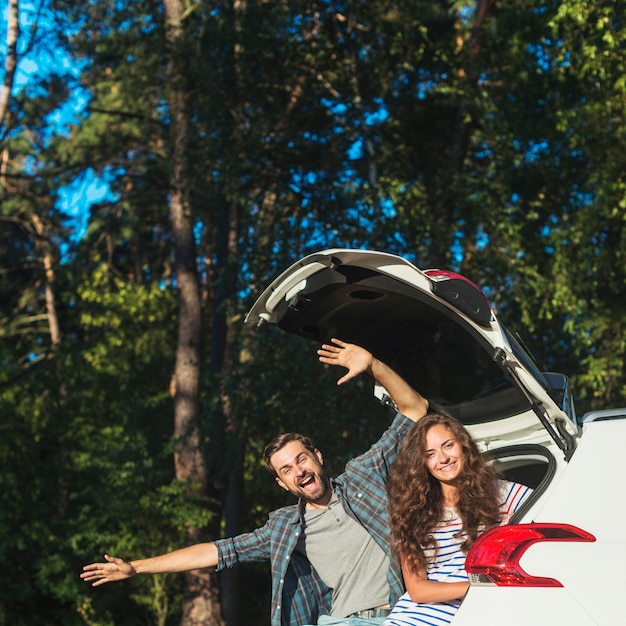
234, 138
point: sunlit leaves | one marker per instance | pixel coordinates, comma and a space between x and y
492, 146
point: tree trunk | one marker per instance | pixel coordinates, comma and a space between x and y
466, 123
46, 256
229, 441
44, 250
231, 438
10, 62
201, 603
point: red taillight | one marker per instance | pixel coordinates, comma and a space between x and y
495, 555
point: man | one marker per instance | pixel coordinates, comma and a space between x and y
330, 557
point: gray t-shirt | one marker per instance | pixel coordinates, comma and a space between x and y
346, 558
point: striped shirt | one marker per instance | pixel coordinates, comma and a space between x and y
298, 594
449, 565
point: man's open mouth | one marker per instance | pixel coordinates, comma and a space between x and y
307, 482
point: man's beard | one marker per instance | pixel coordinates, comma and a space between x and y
323, 484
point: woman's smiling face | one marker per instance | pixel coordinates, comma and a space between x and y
444, 454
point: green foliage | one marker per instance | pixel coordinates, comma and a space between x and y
493, 145
97, 473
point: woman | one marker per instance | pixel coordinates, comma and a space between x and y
442, 496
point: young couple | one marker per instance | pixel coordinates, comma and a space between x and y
333, 560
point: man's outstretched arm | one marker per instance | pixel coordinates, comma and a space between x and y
198, 556
357, 360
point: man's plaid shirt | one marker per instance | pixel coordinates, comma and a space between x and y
298, 594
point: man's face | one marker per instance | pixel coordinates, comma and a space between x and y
300, 471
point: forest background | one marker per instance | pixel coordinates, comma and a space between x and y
233, 138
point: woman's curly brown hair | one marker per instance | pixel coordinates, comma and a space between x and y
416, 499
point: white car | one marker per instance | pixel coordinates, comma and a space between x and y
563, 559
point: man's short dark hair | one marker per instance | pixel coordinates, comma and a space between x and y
279, 442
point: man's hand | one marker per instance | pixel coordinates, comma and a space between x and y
409, 401
113, 569
356, 359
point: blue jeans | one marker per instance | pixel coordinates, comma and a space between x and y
327, 620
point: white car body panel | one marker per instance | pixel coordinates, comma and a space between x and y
588, 493
591, 490
522, 607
